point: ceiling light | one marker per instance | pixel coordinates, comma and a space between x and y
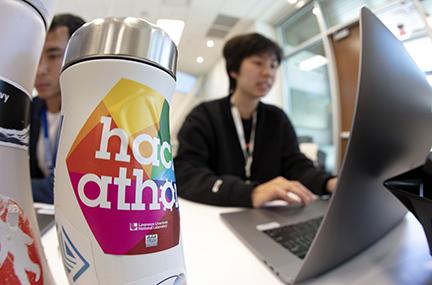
313, 62
300, 3
315, 11
292, 1
200, 59
174, 28
210, 43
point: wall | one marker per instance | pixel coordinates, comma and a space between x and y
215, 83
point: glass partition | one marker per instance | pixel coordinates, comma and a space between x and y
307, 98
421, 51
404, 21
407, 24
308, 101
338, 12
427, 4
299, 28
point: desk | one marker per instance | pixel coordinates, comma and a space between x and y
215, 256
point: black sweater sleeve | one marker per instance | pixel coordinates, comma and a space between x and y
296, 166
196, 179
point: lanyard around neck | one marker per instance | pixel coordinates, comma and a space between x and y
247, 149
50, 152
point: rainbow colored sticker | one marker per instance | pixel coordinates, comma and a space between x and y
121, 170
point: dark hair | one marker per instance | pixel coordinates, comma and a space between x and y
69, 21
240, 47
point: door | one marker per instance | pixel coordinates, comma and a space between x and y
346, 47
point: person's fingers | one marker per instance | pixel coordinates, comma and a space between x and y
282, 194
288, 197
265, 193
294, 197
274, 192
312, 195
331, 184
281, 188
301, 191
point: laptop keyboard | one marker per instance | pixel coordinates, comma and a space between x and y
297, 238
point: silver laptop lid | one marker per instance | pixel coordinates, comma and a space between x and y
391, 134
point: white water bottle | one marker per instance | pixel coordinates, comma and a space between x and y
115, 192
23, 26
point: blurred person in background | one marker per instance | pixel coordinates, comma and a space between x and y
45, 112
239, 151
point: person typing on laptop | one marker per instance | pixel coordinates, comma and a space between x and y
239, 151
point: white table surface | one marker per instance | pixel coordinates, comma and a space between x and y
214, 255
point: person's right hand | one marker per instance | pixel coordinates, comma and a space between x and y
278, 189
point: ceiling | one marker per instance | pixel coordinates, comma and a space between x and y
198, 15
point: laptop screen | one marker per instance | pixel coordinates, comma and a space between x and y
390, 135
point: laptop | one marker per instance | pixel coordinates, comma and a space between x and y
390, 134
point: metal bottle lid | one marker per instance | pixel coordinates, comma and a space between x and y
129, 38
45, 9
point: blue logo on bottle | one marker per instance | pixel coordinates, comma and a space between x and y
74, 263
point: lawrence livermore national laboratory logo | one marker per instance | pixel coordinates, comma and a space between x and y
121, 170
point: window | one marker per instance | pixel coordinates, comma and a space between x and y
421, 50
308, 102
404, 21
299, 28
338, 12
185, 82
307, 98
429, 78
427, 4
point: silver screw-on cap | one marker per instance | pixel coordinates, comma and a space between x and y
129, 38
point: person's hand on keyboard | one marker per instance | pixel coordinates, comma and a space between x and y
331, 184
279, 188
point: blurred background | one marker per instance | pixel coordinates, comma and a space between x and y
317, 82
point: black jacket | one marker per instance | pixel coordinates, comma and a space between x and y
209, 150
38, 105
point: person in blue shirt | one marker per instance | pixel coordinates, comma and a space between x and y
45, 112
